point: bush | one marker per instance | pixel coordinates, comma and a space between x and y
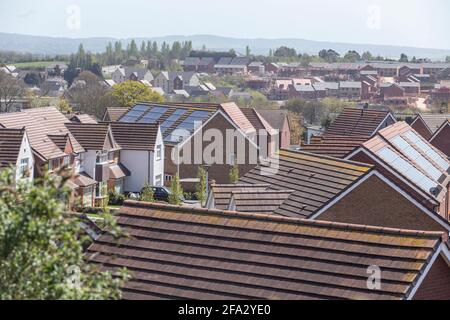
147, 194
115, 198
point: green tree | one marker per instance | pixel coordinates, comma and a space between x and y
403, 58
130, 92
201, 186
247, 51
234, 173
41, 246
147, 194
133, 49
64, 106
176, 191
367, 56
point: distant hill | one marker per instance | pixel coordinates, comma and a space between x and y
51, 46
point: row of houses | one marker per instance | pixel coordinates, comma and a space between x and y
132, 147
369, 195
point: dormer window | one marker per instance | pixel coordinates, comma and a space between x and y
102, 157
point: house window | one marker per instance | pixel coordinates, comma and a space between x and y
232, 159
87, 197
23, 170
158, 180
66, 161
168, 177
119, 186
158, 153
102, 157
101, 190
53, 164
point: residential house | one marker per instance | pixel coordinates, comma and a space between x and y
141, 152
267, 137
412, 163
333, 146
101, 161
54, 87
351, 90
200, 65
256, 67
176, 252
426, 124
56, 69
16, 153
391, 90
54, 147
174, 80
343, 191
187, 128
360, 122
123, 74
279, 120
306, 92
232, 66
441, 138
326, 89
411, 88
272, 68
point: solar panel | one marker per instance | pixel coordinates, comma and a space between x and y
140, 107
128, 119
159, 109
135, 113
407, 169
146, 120
415, 156
425, 148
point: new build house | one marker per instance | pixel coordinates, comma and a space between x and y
16, 153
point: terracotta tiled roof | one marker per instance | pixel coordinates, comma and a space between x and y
83, 180
259, 201
257, 121
135, 136
222, 192
91, 136
238, 117
114, 114
10, 143
275, 118
60, 141
407, 153
316, 180
357, 122
334, 146
83, 118
186, 253
118, 171
39, 124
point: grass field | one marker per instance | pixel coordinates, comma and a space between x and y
33, 65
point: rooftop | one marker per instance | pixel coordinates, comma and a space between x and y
316, 180
357, 122
212, 254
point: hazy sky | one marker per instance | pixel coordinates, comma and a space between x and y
421, 23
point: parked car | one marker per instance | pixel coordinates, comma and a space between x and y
163, 193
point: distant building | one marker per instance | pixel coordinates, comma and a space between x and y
123, 74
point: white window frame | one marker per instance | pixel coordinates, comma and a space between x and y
158, 152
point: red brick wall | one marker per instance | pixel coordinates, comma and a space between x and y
392, 91
362, 157
217, 172
422, 129
377, 204
436, 285
442, 141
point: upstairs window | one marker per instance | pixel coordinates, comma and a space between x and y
23, 170
158, 153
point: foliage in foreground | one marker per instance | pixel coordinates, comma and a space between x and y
41, 256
